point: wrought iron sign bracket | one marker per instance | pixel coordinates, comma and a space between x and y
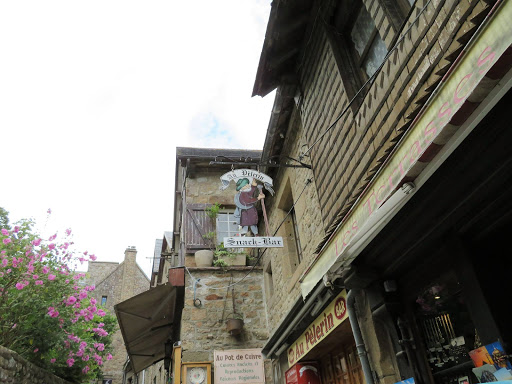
223, 160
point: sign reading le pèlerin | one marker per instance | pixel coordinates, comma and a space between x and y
324, 324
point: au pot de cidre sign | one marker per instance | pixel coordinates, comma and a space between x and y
249, 185
238, 366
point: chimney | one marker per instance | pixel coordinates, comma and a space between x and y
130, 254
129, 273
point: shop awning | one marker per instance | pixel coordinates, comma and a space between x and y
146, 322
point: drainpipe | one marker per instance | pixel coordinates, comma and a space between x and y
361, 349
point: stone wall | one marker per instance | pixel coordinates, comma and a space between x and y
290, 184
98, 270
204, 189
203, 328
14, 369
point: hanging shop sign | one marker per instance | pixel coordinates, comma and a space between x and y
237, 366
324, 324
247, 182
429, 132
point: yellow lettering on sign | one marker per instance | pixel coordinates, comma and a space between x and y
325, 323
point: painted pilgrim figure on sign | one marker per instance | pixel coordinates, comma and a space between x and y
246, 214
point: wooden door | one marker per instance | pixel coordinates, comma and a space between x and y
342, 367
356, 370
328, 376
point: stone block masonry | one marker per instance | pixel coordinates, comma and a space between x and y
203, 327
14, 369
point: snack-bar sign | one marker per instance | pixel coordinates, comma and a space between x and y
253, 242
324, 324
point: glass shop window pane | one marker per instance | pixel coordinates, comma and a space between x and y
362, 31
226, 227
376, 54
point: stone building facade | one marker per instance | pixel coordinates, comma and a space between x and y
202, 297
116, 282
386, 107
204, 327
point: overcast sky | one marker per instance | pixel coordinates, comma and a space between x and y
96, 95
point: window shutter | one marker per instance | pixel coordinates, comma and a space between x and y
197, 224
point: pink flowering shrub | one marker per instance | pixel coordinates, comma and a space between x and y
47, 313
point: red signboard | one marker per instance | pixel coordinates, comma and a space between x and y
307, 372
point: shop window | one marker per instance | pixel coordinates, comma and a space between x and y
290, 229
226, 226
292, 239
298, 247
357, 45
361, 37
103, 300
446, 328
369, 47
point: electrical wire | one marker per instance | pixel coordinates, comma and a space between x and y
370, 81
301, 156
195, 281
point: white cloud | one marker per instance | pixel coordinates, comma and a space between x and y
96, 95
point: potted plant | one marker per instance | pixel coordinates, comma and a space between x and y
234, 323
252, 258
228, 257
220, 263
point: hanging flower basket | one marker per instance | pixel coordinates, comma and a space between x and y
235, 324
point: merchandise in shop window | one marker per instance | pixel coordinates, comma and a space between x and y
491, 363
446, 326
406, 381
